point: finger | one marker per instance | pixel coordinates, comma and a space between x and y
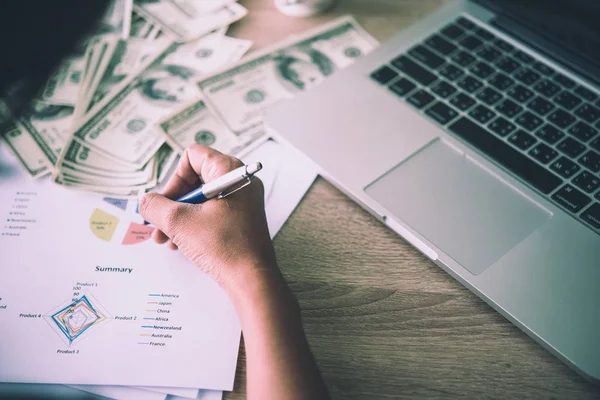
183, 180
167, 215
173, 246
209, 163
159, 237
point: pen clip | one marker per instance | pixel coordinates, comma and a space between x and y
248, 181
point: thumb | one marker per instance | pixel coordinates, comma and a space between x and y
167, 215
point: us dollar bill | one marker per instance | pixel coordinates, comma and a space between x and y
97, 47
122, 60
25, 149
84, 159
49, 125
121, 126
117, 19
196, 124
63, 85
186, 20
142, 29
240, 95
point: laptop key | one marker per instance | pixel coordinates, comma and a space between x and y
527, 76
509, 108
482, 114
571, 147
501, 126
522, 139
523, 57
450, 72
441, 113
501, 81
426, 56
441, 45
588, 113
540, 105
489, 53
520, 93
564, 81
482, 70
384, 75
462, 58
414, 70
465, 23
462, 101
469, 84
443, 89
470, 42
543, 68
582, 131
504, 45
452, 31
591, 160
508, 65
587, 182
420, 99
484, 34
543, 153
504, 154
561, 118
592, 215
567, 100
586, 93
596, 143
549, 134
565, 167
529, 121
571, 199
546, 88
402, 87
489, 96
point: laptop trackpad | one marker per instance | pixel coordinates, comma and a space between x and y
458, 206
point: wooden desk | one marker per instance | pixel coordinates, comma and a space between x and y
383, 321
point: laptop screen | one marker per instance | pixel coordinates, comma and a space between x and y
572, 24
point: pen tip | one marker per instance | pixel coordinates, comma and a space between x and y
251, 169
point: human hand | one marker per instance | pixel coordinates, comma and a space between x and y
228, 239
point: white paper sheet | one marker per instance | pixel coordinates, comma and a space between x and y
286, 175
121, 392
62, 245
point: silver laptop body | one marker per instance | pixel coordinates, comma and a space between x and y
516, 248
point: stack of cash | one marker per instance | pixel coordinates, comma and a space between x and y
93, 125
159, 76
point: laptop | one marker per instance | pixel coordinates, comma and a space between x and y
475, 135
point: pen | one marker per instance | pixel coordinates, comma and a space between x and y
223, 186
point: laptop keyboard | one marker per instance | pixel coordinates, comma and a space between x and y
520, 112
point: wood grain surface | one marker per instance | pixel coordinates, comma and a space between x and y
383, 321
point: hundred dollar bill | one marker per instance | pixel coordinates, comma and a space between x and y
24, 147
166, 160
117, 19
123, 59
121, 126
97, 46
49, 125
195, 124
240, 95
63, 85
186, 20
121, 187
84, 159
142, 29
